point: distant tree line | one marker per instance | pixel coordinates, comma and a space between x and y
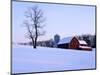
90, 39
48, 43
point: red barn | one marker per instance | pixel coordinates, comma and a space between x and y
73, 43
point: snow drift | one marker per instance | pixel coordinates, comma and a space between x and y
25, 59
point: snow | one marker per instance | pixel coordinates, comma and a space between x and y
65, 40
82, 42
84, 47
25, 59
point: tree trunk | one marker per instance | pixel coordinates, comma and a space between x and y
35, 42
32, 42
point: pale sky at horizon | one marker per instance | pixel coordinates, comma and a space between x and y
65, 20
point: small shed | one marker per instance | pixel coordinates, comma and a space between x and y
73, 43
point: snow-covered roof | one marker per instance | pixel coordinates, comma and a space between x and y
82, 42
84, 47
68, 39
65, 40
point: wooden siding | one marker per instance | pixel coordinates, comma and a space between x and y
74, 44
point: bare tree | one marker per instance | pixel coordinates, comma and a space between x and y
34, 24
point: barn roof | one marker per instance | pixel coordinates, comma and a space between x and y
82, 42
84, 47
65, 40
68, 39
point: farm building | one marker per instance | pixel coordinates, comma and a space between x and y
73, 43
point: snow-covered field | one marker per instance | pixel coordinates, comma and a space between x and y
25, 59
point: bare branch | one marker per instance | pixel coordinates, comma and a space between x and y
34, 23
28, 28
42, 33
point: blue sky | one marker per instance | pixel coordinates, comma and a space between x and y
65, 20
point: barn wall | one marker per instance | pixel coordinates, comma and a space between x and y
66, 46
74, 44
